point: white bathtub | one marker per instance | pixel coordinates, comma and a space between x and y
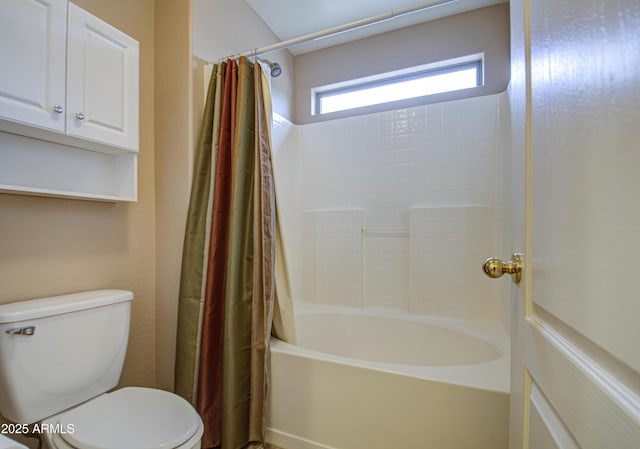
371, 380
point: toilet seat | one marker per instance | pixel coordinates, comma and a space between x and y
132, 417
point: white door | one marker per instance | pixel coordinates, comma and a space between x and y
575, 99
102, 83
33, 39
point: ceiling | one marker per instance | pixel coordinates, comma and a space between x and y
293, 18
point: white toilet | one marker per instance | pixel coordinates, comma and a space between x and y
58, 358
7, 443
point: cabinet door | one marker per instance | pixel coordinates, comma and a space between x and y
102, 82
33, 35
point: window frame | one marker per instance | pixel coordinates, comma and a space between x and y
389, 78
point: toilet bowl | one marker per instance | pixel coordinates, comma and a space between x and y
8, 443
61, 357
131, 417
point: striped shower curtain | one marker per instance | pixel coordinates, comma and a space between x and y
233, 276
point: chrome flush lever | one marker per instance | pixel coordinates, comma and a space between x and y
28, 330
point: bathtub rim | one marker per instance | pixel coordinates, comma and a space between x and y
493, 375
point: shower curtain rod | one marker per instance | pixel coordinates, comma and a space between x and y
341, 28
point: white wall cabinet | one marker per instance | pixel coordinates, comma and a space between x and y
68, 103
33, 42
102, 82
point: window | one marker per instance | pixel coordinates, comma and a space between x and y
446, 76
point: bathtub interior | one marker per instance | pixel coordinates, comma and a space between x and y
470, 353
396, 340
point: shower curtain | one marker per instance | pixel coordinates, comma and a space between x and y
233, 274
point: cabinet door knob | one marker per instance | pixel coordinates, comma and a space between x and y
58, 109
79, 115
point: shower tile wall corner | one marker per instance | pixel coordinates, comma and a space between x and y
388, 166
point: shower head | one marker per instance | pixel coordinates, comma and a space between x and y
276, 70
274, 67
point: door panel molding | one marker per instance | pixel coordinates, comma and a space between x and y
547, 429
598, 409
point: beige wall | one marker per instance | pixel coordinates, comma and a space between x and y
483, 30
52, 246
174, 155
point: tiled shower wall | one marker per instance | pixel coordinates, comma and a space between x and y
396, 210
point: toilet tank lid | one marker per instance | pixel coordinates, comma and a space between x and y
56, 305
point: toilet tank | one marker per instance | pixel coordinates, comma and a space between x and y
60, 351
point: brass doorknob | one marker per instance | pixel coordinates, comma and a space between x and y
495, 268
